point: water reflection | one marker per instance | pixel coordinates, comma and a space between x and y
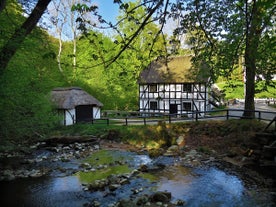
204, 187
141, 160
63, 191
42, 192
198, 187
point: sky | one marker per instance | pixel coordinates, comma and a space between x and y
108, 9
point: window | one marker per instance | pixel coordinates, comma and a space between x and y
187, 87
187, 106
153, 105
153, 88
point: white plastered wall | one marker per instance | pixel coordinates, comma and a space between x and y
70, 117
96, 113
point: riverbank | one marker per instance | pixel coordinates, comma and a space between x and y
230, 146
234, 141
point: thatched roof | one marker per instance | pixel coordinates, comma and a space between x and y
69, 98
171, 70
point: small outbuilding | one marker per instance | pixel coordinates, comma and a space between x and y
75, 105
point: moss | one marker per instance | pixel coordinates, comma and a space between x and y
89, 177
149, 176
115, 164
105, 157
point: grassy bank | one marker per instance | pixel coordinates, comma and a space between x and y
203, 133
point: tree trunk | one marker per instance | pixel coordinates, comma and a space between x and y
250, 72
11, 46
253, 35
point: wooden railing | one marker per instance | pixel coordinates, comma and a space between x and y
138, 118
270, 123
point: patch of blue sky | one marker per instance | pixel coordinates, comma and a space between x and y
106, 8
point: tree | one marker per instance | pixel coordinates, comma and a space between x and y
259, 17
58, 19
146, 46
222, 31
136, 42
25, 85
11, 46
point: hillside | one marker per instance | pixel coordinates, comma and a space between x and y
235, 89
34, 71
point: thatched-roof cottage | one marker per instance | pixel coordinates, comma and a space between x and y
76, 105
170, 86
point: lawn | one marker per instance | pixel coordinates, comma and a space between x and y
235, 89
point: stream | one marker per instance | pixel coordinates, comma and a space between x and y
106, 177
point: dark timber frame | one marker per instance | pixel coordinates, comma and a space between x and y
172, 86
168, 95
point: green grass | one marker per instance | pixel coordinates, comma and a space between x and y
235, 89
84, 129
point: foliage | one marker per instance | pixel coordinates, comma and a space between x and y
223, 31
123, 75
108, 66
235, 89
24, 86
114, 84
10, 47
110, 85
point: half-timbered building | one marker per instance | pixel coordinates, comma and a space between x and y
169, 86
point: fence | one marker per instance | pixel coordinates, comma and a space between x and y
138, 118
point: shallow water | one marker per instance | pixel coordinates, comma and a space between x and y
204, 186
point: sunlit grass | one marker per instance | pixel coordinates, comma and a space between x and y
235, 89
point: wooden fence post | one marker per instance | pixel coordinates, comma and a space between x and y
126, 122
145, 121
227, 114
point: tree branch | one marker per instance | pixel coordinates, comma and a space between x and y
11, 46
136, 33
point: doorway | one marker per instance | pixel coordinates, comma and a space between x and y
173, 109
84, 113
